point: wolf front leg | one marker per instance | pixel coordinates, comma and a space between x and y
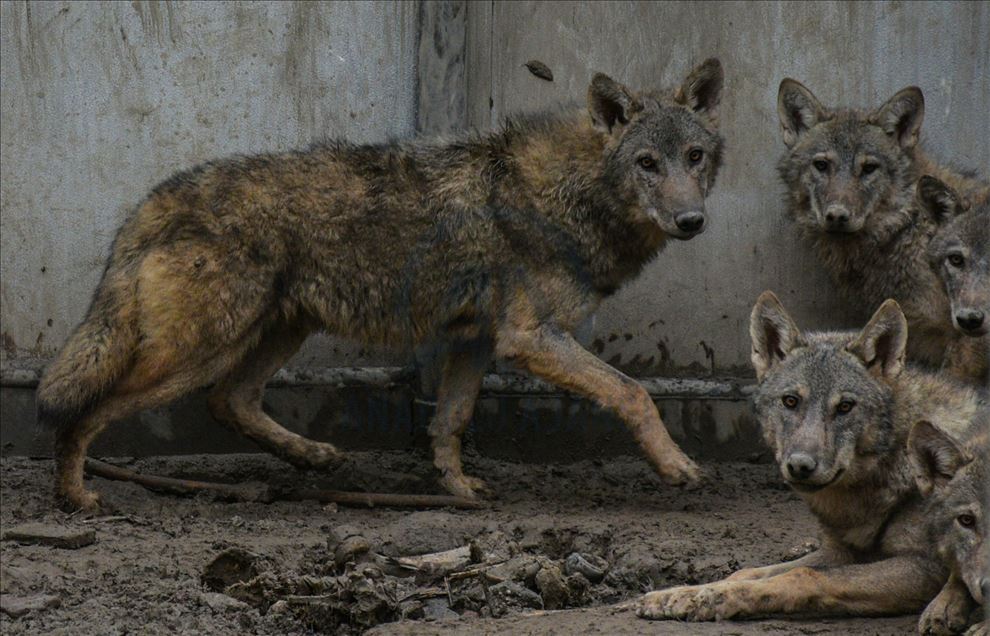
555, 356
901, 585
830, 554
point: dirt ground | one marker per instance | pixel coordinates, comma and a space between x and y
302, 567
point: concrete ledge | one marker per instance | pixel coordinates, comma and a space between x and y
517, 418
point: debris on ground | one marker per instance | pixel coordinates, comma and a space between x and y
17, 606
52, 535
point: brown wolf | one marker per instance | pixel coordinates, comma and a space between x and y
959, 254
955, 476
837, 408
496, 245
850, 177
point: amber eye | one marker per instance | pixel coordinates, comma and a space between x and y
869, 168
695, 155
820, 165
791, 401
956, 260
845, 406
647, 163
966, 520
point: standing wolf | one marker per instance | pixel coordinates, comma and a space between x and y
837, 409
850, 178
955, 476
959, 254
494, 245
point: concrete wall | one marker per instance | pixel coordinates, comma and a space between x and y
100, 101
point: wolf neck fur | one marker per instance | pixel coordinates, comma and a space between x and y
560, 160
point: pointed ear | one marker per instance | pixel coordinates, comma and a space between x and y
773, 333
882, 343
702, 90
610, 103
798, 110
902, 115
938, 199
935, 455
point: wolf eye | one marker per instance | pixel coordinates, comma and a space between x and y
791, 401
695, 155
869, 168
820, 165
647, 163
845, 406
956, 260
966, 520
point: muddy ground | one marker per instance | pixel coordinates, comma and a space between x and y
302, 567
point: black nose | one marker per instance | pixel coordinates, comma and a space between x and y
801, 465
836, 220
985, 588
969, 319
690, 221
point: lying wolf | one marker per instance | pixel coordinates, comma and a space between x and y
494, 245
955, 476
850, 177
837, 408
959, 254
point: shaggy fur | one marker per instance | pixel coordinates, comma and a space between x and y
837, 409
493, 245
850, 178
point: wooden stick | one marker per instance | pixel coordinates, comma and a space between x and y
267, 495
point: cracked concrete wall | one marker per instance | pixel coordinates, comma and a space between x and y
100, 101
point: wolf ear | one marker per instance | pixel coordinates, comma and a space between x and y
941, 201
901, 116
610, 103
702, 90
936, 456
773, 333
798, 109
882, 343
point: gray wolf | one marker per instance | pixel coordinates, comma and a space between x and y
493, 245
954, 474
959, 254
850, 177
837, 409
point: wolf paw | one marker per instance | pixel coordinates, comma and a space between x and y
463, 485
315, 456
980, 629
82, 501
946, 614
694, 603
678, 470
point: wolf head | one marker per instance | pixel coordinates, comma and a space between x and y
960, 253
662, 151
844, 168
824, 400
954, 478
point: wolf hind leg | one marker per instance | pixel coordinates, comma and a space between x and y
464, 367
236, 401
143, 392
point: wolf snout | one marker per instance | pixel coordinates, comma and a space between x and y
970, 320
837, 219
690, 222
801, 466
984, 590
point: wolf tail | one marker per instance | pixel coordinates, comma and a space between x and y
95, 356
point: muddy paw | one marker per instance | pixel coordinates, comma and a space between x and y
81, 501
462, 485
980, 629
316, 456
679, 470
694, 603
946, 614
